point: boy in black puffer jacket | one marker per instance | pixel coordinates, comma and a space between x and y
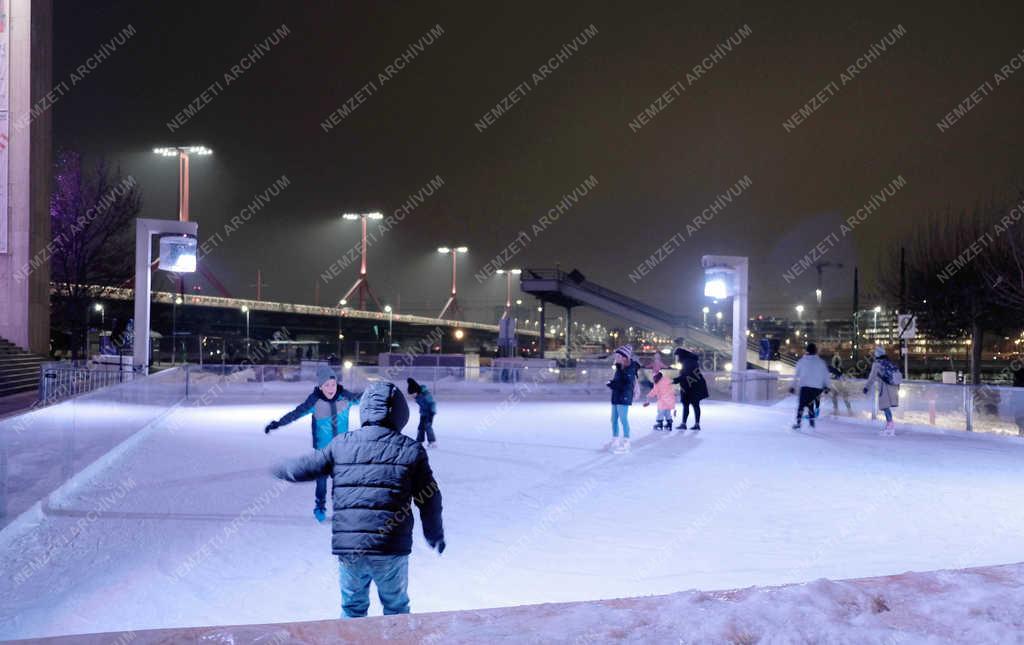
378, 474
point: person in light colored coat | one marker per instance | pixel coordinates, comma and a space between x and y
888, 393
811, 379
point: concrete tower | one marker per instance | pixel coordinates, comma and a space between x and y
26, 148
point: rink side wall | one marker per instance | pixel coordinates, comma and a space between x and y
982, 604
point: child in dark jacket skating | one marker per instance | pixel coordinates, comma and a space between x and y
428, 408
329, 404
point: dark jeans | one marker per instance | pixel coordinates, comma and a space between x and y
426, 427
321, 492
808, 395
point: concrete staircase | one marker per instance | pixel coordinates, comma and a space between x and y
19, 370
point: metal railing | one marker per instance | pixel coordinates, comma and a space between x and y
62, 380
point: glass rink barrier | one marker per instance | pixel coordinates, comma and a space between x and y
47, 447
985, 408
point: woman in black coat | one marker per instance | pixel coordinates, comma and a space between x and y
692, 386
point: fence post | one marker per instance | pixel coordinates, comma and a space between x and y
969, 407
874, 400
188, 374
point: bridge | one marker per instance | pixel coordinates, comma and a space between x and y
572, 289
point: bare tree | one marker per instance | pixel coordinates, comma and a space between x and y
947, 283
1004, 267
91, 214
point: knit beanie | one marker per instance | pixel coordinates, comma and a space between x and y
625, 351
414, 387
324, 372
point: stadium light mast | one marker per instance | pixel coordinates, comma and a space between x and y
182, 153
452, 306
508, 286
362, 284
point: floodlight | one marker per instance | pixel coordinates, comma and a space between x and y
178, 253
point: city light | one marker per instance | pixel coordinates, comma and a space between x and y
459, 334
347, 365
98, 307
716, 289
387, 309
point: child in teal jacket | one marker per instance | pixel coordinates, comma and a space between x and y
329, 404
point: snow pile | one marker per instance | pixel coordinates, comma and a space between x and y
977, 606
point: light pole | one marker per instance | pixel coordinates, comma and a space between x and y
362, 284
507, 325
724, 276
389, 312
508, 286
452, 306
103, 318
245, 310
718, 321
706, 311
177, 254
182, 153
800, 312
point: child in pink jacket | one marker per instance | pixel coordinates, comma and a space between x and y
666, 396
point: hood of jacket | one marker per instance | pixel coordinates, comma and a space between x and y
384, 405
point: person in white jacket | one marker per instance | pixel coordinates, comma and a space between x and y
812, 379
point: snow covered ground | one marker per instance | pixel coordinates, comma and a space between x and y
188, 529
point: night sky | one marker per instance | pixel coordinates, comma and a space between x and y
574, 123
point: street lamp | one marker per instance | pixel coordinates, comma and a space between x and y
177, 254
817, 295
508, 286
725, 276
800, 312
391, 316
103, 317
706, 311
452, 305
362, 284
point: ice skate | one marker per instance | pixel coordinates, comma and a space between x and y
612, 445
622, 447
696, 427
811, 421
889, 430
431, 444
320, 514
796, 426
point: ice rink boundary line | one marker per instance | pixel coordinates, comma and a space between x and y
33, 516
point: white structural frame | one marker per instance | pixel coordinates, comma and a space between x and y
739, 267
145, 229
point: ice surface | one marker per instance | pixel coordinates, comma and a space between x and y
189, 529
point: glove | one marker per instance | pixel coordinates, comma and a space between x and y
646, 403
273, 425
439, 546
865, 390
792, 391
826, 391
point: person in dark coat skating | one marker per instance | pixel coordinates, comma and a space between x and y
623, 386
329, 404
693, 388
379, 473
428, 408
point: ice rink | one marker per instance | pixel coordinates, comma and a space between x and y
188, 528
